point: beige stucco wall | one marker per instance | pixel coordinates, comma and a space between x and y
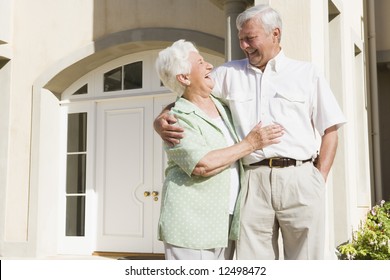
382, 38
39, 39
382, 22
5, 75
384, 97
199, 15
5, 21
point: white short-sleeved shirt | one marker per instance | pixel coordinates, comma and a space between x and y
289, 92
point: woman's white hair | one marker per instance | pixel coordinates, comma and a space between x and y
173, 61
265, 15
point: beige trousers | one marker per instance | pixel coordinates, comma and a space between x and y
290, 199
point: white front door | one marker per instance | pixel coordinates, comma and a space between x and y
129, 175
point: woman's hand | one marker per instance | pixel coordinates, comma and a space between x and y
261, 137
217, 160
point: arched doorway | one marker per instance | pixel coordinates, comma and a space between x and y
113, 162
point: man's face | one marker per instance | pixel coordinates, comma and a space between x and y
258, 46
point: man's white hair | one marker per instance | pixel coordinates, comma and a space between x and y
265, 15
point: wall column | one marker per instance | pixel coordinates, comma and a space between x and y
5, 97
232, 45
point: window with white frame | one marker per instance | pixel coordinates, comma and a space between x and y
125, 77
76, 163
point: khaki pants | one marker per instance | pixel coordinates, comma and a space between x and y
291, 199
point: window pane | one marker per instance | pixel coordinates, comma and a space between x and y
75, 174
77, 132
113, 80
82, 90
75, 216
133, 75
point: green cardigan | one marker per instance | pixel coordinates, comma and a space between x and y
194, 209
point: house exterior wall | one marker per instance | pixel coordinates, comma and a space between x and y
38, 40
382, 39
384, 101
196, 15
46, 45
5, 78
382, 22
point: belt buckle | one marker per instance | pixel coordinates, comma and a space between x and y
270, 162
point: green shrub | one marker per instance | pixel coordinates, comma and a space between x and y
372, 240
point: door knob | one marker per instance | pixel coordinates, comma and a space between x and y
154, 193
146, 193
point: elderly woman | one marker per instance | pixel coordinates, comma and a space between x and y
202, 178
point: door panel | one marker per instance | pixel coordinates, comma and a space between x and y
130, 163
124, 173
159, 165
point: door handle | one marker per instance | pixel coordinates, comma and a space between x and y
146, 194
154, 194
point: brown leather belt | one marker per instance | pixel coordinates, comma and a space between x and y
279, 162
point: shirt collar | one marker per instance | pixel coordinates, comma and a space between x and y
187, 107
275, 64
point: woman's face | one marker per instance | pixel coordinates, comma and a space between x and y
200, 73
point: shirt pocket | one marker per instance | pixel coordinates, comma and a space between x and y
289, 106
239, 100
243, 109
290, 96
289, 102
240, 95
